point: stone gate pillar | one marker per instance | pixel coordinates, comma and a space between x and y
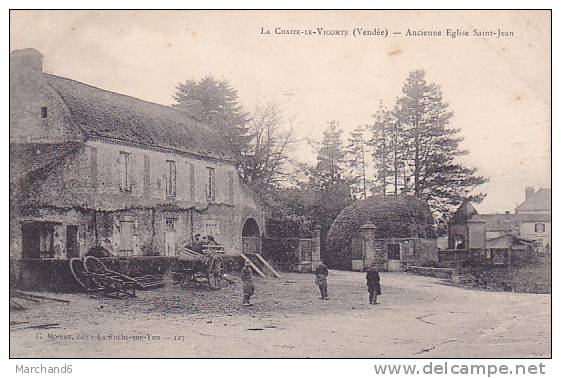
316, 251
371, 250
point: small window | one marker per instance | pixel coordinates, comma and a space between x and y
539, 227
125, 171
170, 224
211, 190
46, 247
44, 112
171, 178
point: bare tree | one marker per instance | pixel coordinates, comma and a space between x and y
266, 160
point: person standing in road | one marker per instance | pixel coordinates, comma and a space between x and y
247, 279
321, 280
373, 283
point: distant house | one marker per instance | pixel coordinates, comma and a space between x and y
534, 216
497, 236
91, 168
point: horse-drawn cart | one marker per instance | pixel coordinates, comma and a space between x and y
192, 266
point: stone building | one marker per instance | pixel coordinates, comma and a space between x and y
91, 168
534, 217
466, 229
499, 237
394, 232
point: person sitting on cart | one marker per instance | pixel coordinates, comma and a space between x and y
247, 279
204, 243
197, 244
211, 240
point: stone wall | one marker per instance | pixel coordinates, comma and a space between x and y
28, 94
426, 252
412, 251
88, 183
148, 237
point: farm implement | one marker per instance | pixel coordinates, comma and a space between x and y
92, 275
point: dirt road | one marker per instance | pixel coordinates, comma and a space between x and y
417, 317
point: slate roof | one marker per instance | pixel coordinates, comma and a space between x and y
107, 114
32, 158
538, 201
465, 213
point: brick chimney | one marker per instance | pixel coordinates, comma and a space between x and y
529, 191
26, 59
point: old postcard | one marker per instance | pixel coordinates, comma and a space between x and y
292, 184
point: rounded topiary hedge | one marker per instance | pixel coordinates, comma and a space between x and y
394, 217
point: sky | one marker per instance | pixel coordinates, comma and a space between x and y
498, 88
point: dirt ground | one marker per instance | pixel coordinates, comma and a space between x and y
417, 317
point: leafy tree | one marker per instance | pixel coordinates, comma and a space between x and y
389, 148
290, 212
355, 162
331, 190
215, 102
431, 147
382, 131
330, 158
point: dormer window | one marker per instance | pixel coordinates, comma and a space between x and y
43, 112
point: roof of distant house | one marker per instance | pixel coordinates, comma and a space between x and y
465, 213
538, 201
497, 222
504, 222
107, 114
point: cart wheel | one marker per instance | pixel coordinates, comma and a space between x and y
215, 273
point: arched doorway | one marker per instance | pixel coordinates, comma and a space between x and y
251, 237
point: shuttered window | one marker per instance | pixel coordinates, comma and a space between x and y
171, 178
210, 187
231, 188
125, 171
192, 181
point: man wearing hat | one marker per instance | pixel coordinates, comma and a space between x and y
321, 280
373, 283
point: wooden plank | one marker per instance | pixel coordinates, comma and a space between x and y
21, 293
13, 301
257, 270
267, 265
27, 298
186, 252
